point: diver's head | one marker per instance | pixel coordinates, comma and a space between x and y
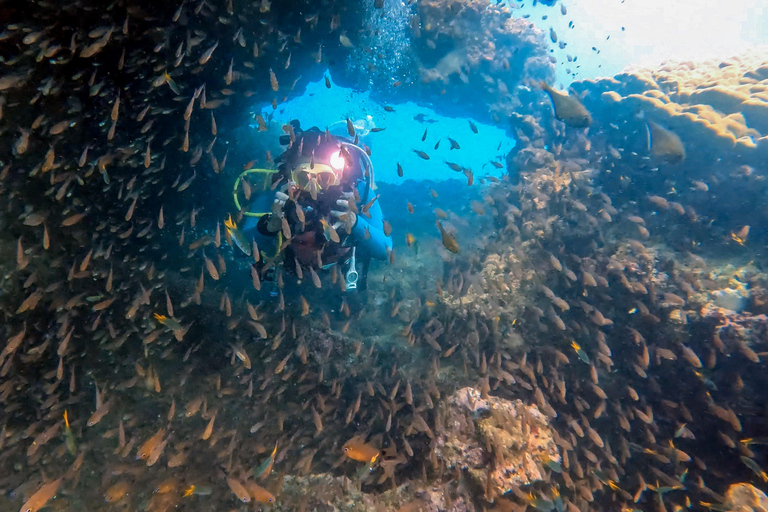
320, 157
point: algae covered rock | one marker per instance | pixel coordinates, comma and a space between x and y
325, 492
508, 441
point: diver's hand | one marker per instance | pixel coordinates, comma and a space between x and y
281, 196
280, 199
343, 213
275, 222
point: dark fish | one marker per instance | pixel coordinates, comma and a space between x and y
567, 108
665, 144
472, 127
421, 154
449, 241
454, 144
422, 118
424, 137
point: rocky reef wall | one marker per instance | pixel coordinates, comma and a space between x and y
461, 58
638, 279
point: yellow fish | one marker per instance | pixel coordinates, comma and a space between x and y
330, 232
170, 323
171, 83
265, 468
69, 436
237, 236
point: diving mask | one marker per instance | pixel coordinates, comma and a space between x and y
323, 174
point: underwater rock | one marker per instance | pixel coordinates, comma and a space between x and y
327, 493
323, 492
493, 291
729, 298
508, 441
743, 497
731, 290
740, 332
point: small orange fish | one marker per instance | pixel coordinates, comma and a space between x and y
357, 449
41, 497
150, 444
258, 493
237, 488
117, 491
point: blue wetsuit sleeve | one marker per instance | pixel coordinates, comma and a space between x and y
378, 244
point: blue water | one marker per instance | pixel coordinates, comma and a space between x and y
323, 107
609, 35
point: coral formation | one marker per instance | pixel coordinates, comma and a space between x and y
497, 439
719, 112
330, 493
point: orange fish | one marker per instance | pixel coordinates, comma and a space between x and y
117, 491
258, 493
357, 449
41, 497
237, 488
150, 444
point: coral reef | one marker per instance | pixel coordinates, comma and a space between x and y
719, 112
492, 290
497, 439
633, 266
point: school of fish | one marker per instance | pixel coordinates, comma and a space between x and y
142, 367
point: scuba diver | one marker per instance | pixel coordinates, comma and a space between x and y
324, 204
